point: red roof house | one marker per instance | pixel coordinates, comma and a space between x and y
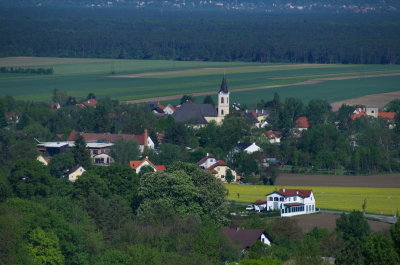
302, 123
138, 164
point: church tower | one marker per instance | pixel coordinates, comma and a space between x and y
223, 99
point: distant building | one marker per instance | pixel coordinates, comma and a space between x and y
246, 238
138, 164
201, 114
247, 147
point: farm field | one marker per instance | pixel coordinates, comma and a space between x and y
328, 221
372, 181
379, 200
148, 79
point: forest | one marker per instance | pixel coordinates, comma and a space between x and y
200, 35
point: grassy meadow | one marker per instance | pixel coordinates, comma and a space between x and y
78, 77
379, 200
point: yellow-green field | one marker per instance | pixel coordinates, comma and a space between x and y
379, 200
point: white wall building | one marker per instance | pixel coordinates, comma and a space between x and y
291, 202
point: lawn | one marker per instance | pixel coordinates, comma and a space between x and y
379, 200
78, 77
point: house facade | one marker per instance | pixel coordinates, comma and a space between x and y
291, 202
75, 172
247, 147
220, 169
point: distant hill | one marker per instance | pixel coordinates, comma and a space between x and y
303, 6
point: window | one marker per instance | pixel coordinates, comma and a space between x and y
295, 199
281, 199
222, 112
276, 199
222, 99
271, 198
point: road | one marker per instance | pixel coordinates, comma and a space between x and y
382, 218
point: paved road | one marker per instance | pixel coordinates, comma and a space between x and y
382, 218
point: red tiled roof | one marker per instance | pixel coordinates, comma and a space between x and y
387, 115
90, 102
357, 115
243, 238
134, 164
212, 171
106, 137
302, 122
260, 201
161, 106
293, 192
218, 163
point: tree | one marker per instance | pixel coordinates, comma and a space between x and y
60, 163
211, 190
124, 151
81, 155
229, 176
352, 225
395, 234
145, 169
89, 183
208, 100
318, 111
174, 191
44, 248
3, 121
186, 98
169, 153
379, 250
30, 178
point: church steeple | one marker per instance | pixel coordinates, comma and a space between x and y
224, 86
223, 99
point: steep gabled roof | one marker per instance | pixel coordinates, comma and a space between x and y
243, 238
216, 164
204, 159
134, 164
195, 113
224, 86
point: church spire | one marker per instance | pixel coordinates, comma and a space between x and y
224, 86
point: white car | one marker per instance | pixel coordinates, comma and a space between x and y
250, 208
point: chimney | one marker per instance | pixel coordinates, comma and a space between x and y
284, 190
208, 154
297, 192
145, 136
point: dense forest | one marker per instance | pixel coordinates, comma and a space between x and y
199, 35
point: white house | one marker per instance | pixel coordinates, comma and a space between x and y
247, 147
138, 164
103, 159
291, 202
207, 161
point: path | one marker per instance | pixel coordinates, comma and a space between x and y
382, 218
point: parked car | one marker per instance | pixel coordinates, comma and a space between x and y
250, 208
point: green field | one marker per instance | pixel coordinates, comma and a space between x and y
379, 200
78, 78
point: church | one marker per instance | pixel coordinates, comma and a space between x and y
201, 114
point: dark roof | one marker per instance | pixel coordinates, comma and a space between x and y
250, 117
243, 146
204, 159
224, 86
194, 113
243, 238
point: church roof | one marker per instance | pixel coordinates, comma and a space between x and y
194, 113
224, 86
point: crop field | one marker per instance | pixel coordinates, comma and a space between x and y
146, 79
379, 200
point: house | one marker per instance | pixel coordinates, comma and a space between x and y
75, 172
137, 165
102, 159
90, 103
207, 161
220, 169
44, 160
245, 238
143, 140
54, 105
273, 137
169, 109
201, 114
257, 117
291, 202
53, 148
247, 147
302, 124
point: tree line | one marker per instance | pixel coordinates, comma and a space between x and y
195, 35
23, 70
